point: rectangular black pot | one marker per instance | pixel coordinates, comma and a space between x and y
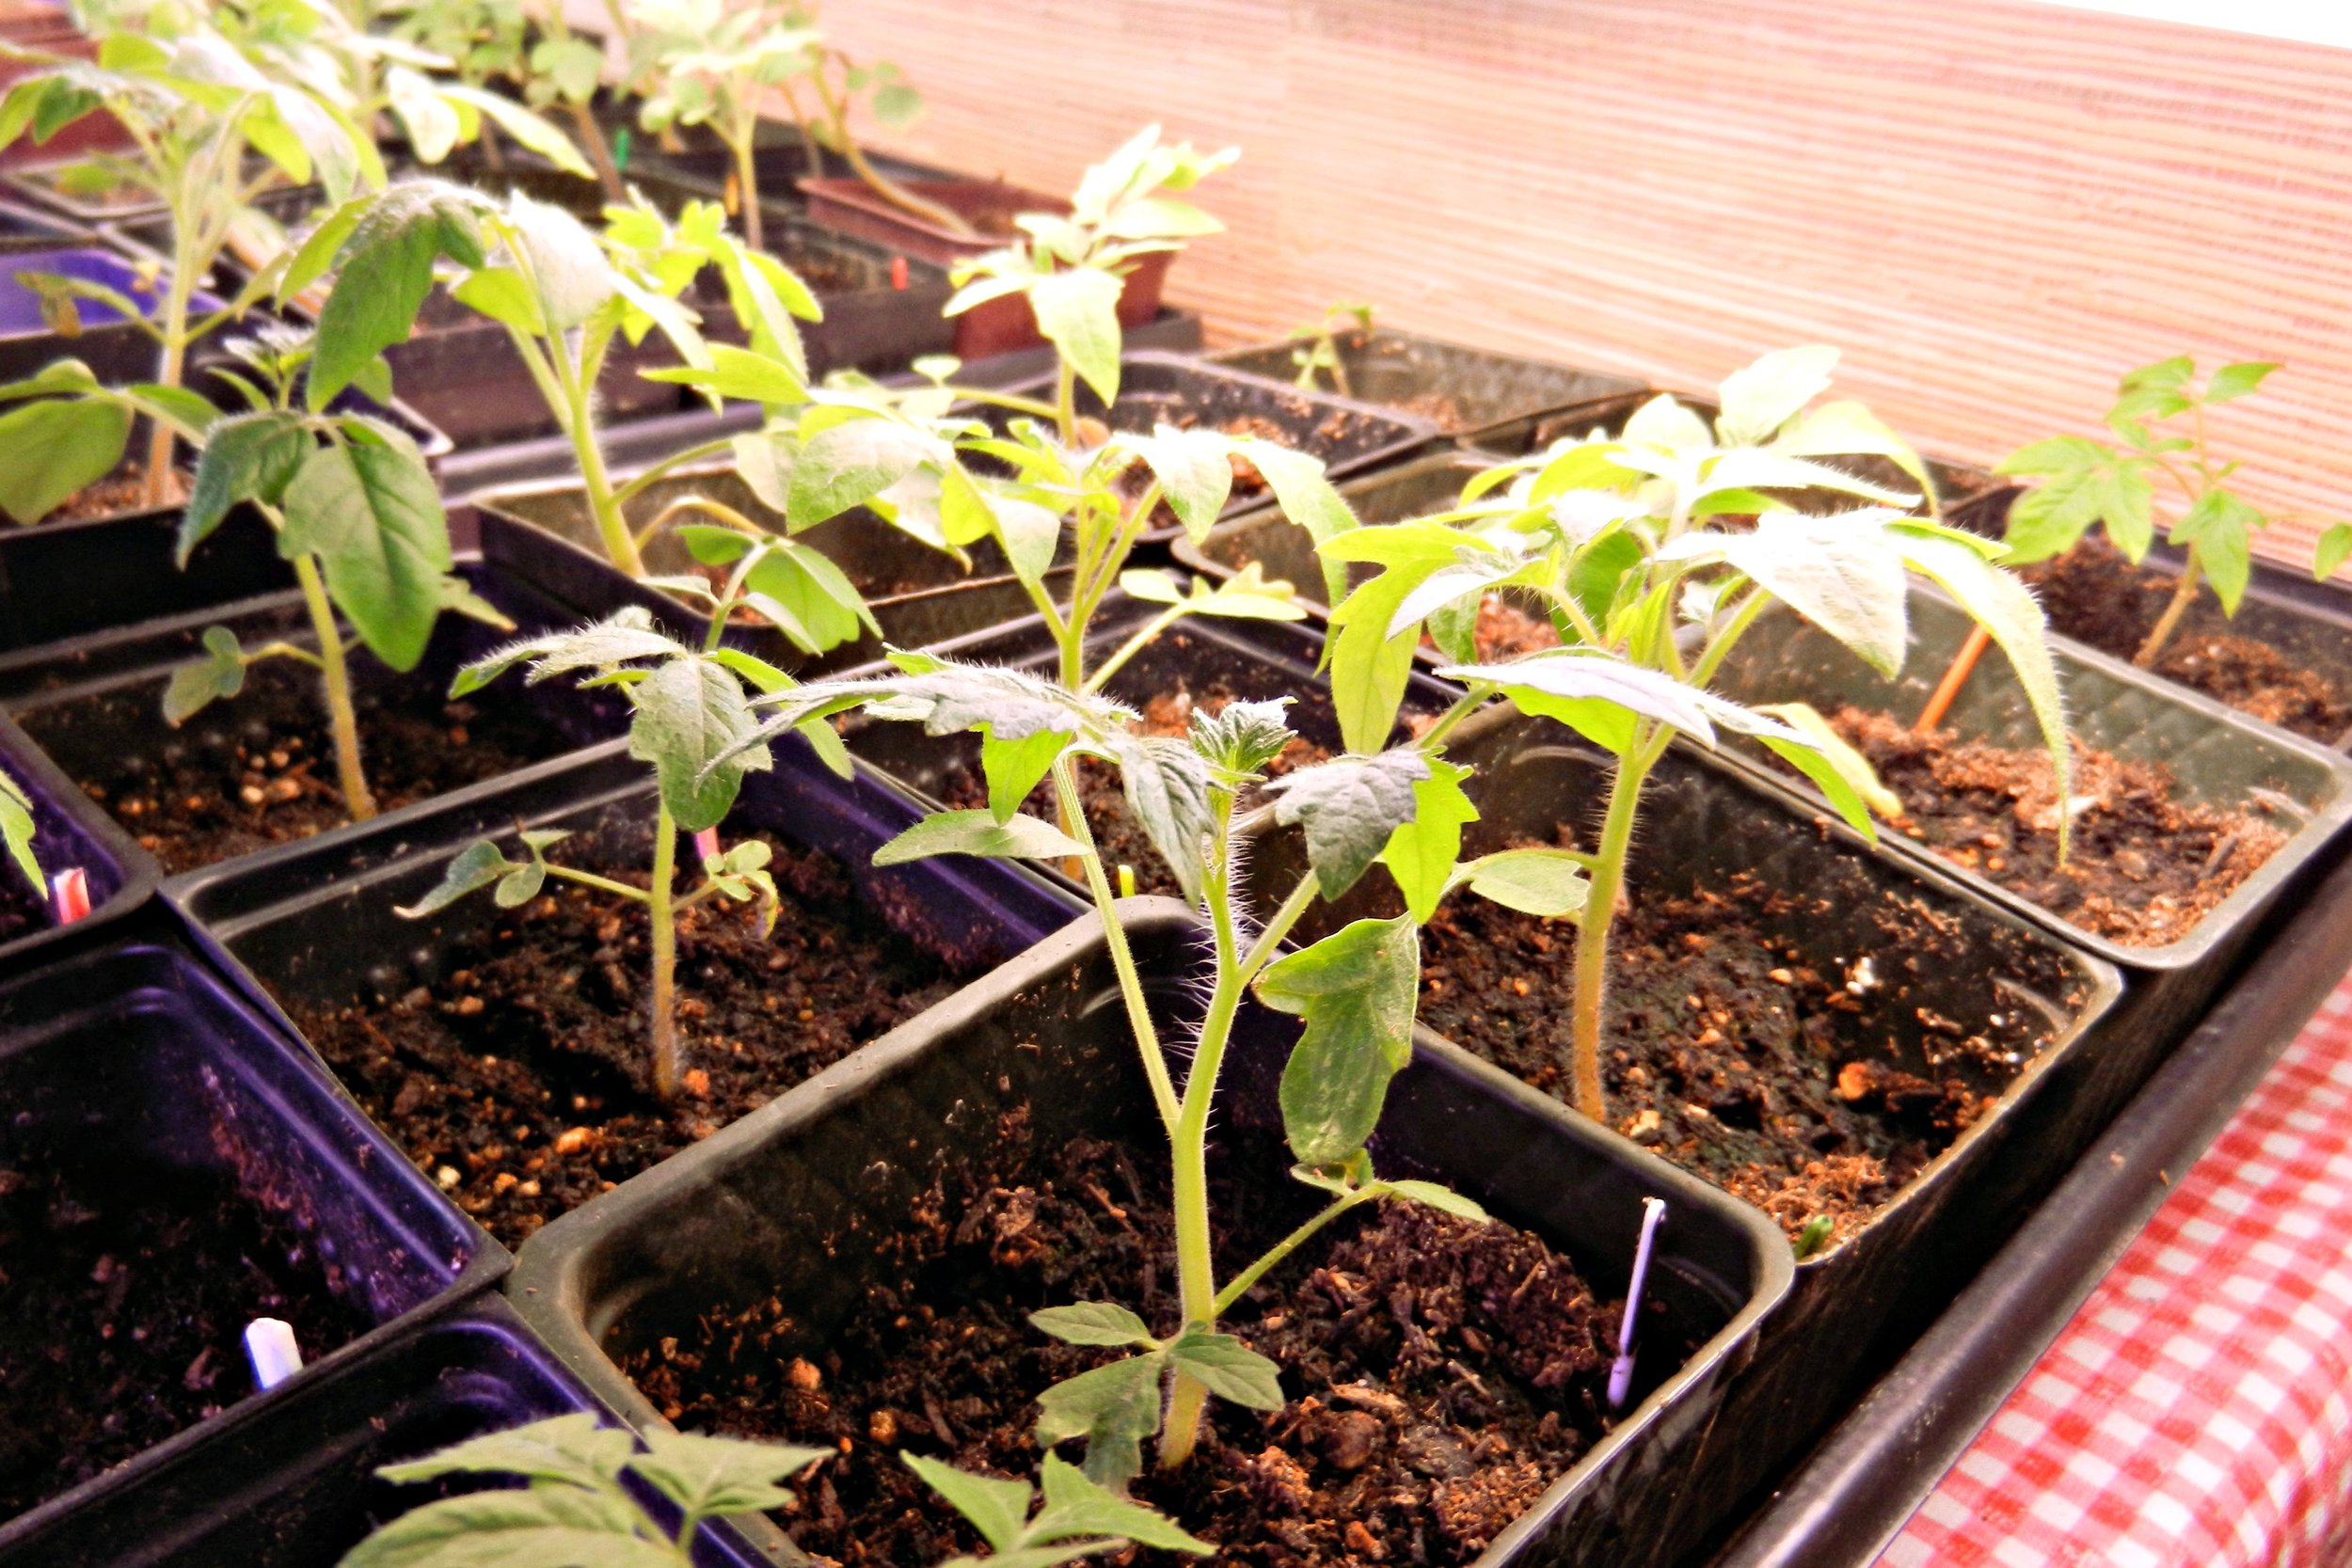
24, 227
545, 534
1957, 484
292, 1484
1854, 1305
1166, 388
1463, 390
2217, 756
779, 160
130, 664
745, 1213
70, 831
36, 184
2309, 622
145, 1049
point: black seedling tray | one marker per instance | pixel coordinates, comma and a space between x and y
1463, 390
24, 227
749, 1212
36, 184
1853, 1492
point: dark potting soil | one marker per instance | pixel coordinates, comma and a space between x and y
22, 907
258, 768
2093, 594
523, 1085
124, 1292
1118, 834
1442, 1373
124, 490
2143, 869
1724, 1049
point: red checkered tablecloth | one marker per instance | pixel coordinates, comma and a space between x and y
2197, 1412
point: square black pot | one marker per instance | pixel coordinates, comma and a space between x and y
294, 1484
146, 1051
747, 1213
1463, 390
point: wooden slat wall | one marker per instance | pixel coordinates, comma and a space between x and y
1992, 206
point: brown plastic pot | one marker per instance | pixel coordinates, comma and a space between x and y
1001, 325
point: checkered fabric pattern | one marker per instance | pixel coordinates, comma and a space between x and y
2197, 1412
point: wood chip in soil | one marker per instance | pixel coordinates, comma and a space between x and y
2095, 595
1440, 1373
258, 768
523, 1084
124, 1292
2144, 865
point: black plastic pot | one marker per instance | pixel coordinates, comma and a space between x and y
69, 832
547, 535
755, 1210
292, 1483
2217, 755
1961, 959
129, 665
145, 1053
778, 158
1957, 484
1853, 1492
2309, 622
1166, 388
1463, 390
24, 229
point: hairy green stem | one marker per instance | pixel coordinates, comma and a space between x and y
341, 716
837, 114
1239, 1285
669, 1058
592, 136
653, 472
747, 182
172, 361
611, 523
1601, 913
1066, 400
1122, 957
602, 884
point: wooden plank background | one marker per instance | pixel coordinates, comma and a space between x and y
1992, 206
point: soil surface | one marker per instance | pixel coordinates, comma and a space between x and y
2093, 594
258, 768
1442, 1373
2144, 866
124, 1292
523, 1085
21, 909
124, 490
1724, 1049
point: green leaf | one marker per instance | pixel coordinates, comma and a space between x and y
1167, 789
246, 457
1596, 693
1078, 311
1444, 1199
470, 870
1114, 1408
2000, 603
694, 726
508, 1530
2169, 375
56, 447
2334, 545
1855, 787
574, 1449
1242, 737
1306, 496
1760, 398
815, 595
742, 374
709, 1476
1094, 1322
2221, 528
849, 464
2235, 381
625, 635
1030, 533
999, 1510
1547, 883
1848, 429
979, 833
386, 271
1014, 768
1075, 1506
215, 678
1356, 988
1192, 470
500, 294
373, 516
1843, 574
526, 129
1229, 1369
1350, 807
1421, 853
19, 829
574, 280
